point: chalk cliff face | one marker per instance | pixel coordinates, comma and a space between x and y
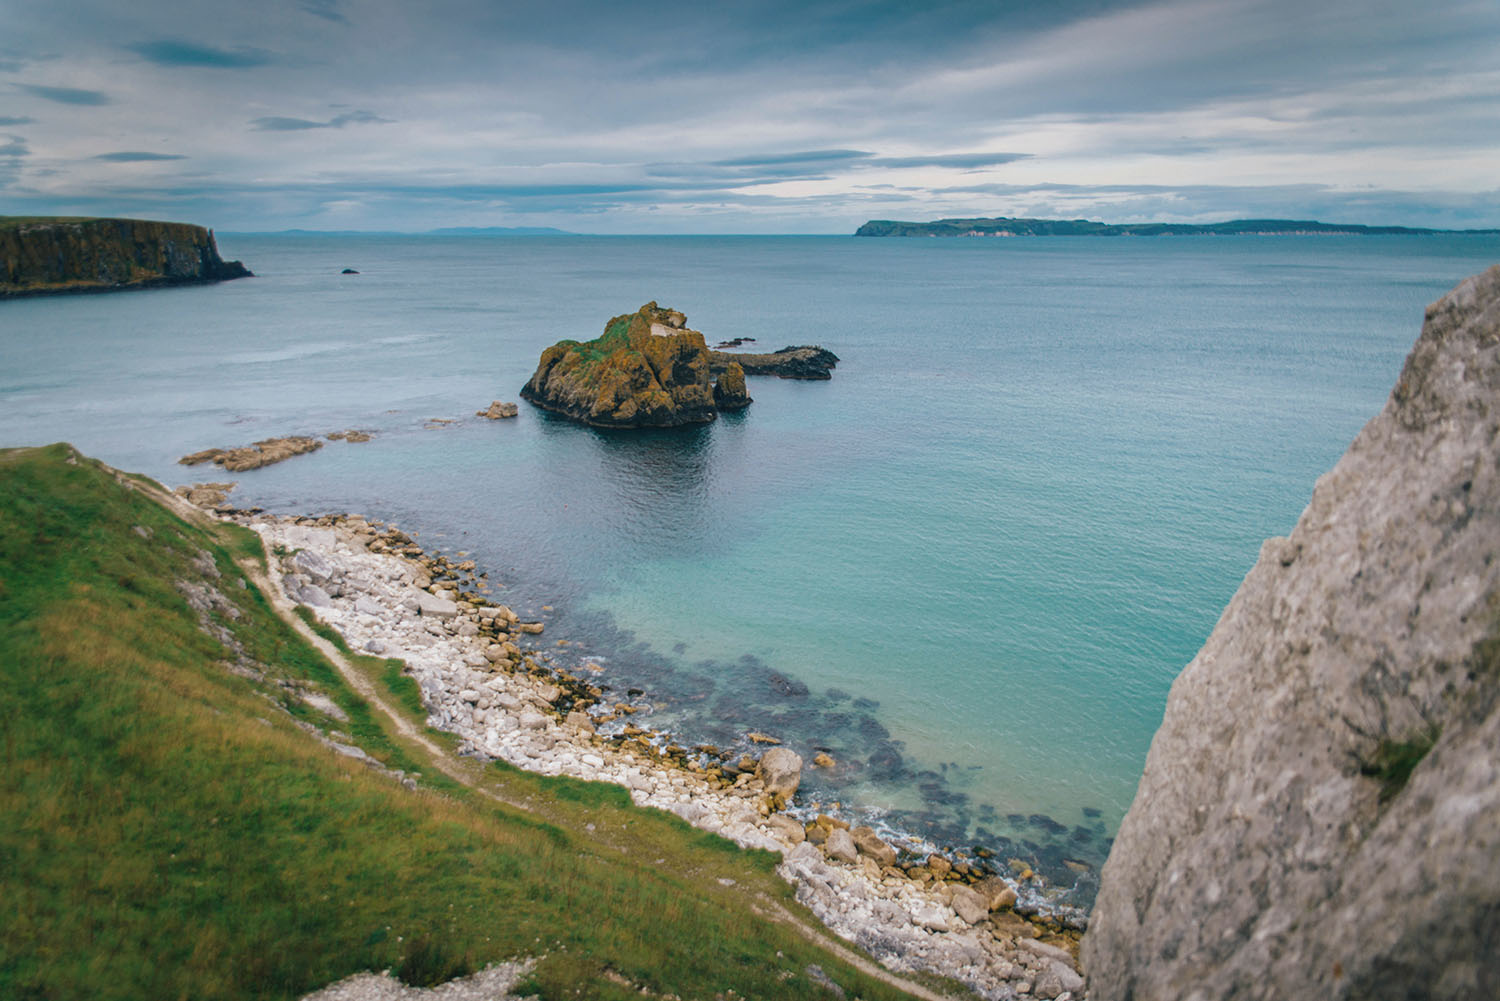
41, 256
1320, 811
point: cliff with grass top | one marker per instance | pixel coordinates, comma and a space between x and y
1320, 811
196, 803
41, 256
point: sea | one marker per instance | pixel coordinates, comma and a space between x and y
967, 568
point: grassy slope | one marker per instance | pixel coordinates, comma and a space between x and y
168, 830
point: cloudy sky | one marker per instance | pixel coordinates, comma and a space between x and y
748, 116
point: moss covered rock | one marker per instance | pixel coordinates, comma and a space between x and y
729, 391
646, 370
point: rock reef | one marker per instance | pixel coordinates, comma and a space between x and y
43, 256
648, 369
1320, 810
804, 361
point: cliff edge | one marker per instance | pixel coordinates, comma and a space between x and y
41, 256
1320, 810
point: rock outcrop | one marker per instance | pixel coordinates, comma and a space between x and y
267, 452
646, 370
729, 390
1320, 810
41, 256
804, 361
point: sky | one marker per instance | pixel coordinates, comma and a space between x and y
749, 116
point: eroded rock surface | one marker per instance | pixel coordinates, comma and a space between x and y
1320, 810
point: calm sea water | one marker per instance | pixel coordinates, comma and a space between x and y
969, 566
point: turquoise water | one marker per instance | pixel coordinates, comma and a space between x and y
969, 566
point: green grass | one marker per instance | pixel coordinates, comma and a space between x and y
168, 831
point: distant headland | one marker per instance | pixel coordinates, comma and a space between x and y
1002, 226
55, 254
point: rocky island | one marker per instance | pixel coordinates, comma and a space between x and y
649, 369
45, 256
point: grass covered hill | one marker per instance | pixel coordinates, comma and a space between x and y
184, 813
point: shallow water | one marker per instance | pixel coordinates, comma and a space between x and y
969, 566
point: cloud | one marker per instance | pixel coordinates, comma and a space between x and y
172, 52
967, 161
279, 124
129, 157
16, 120
328, 10
65, 95
808, 156
15, 146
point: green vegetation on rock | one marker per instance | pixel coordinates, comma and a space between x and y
177, 822
40, 256
646, 370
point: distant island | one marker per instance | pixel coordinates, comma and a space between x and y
47, 255
499, 231
1002, 226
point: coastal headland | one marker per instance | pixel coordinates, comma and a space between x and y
56, 255
1000, 226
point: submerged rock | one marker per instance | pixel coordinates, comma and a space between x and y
1320, 810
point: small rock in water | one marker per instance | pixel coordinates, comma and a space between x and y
498, 411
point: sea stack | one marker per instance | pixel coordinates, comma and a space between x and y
49, 256
1320, 811
647, 369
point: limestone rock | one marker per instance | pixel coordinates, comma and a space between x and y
781, 770
840, 845
431, 606
969, 905
997, 893
786, 828
1320, 810
869, 843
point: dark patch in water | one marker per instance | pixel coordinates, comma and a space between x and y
1047, 824
1015, 819
1092, 812
838, 695
866, 704
1081, 834
679, 648
788, 687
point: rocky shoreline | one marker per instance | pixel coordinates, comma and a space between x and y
482, 679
